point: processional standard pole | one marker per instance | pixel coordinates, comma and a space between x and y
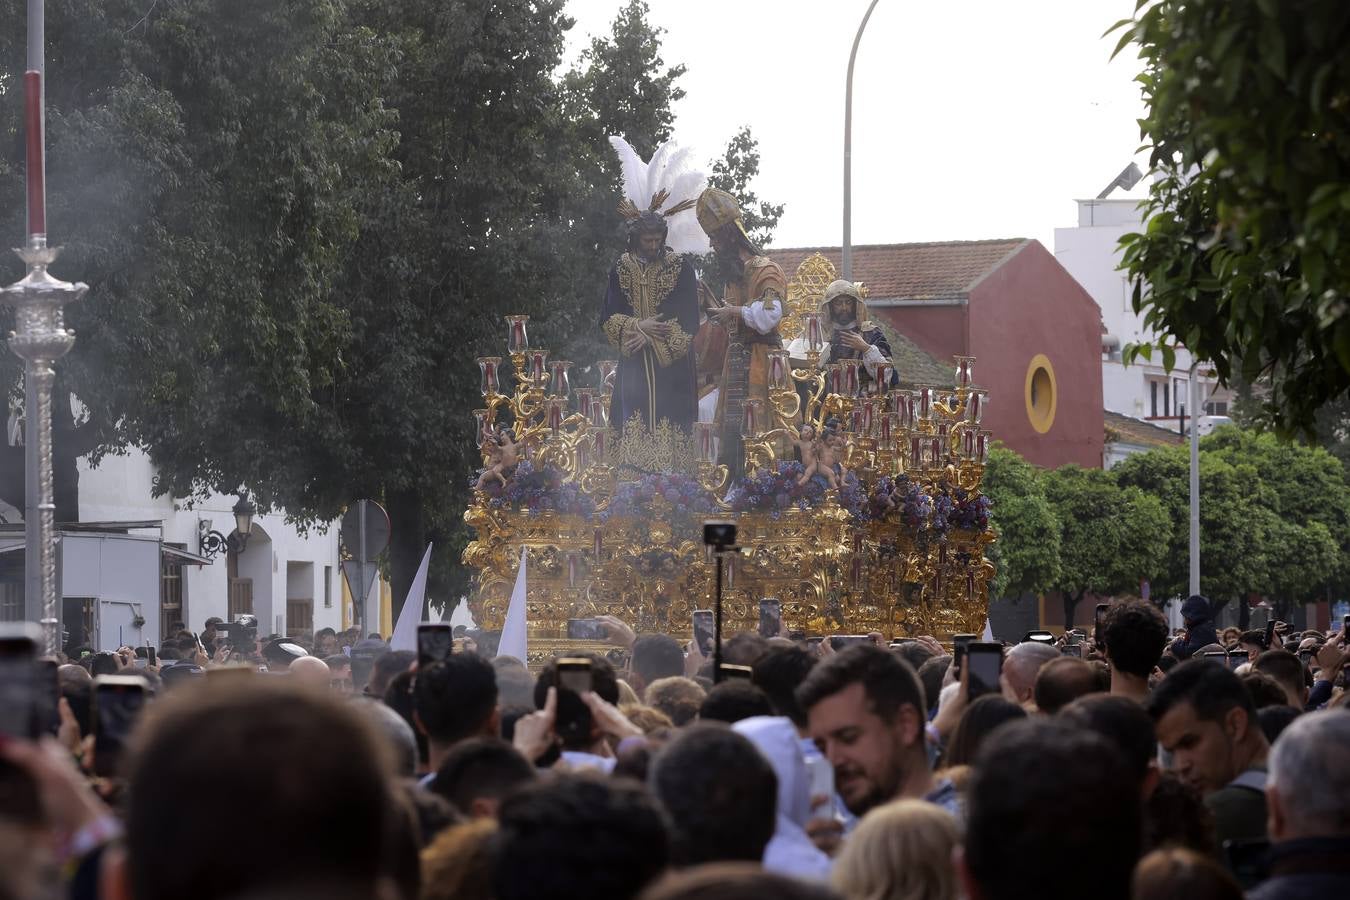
39, 339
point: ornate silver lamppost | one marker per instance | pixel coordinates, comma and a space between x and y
39, 339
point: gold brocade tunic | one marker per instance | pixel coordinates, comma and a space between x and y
746, 372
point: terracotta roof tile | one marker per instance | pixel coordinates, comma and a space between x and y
912, 271
1137, 431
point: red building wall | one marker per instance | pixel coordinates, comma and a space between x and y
1028, 307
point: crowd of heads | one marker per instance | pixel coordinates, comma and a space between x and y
1125, 760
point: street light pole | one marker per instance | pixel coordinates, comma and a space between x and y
847, 261
1194, 403
39, 339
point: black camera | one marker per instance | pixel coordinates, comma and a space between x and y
241, 634
719, 534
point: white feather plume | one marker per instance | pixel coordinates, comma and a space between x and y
670, 169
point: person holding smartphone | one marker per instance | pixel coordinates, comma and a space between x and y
865, 708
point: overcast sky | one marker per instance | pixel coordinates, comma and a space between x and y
971, 118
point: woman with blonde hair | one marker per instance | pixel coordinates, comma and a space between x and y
900, 851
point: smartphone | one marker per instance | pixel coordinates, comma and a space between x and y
573, 720
19, 643
118, 701
900, 642
1218, 656
821, 774
435, 642
1073, 638
587, 630
1039, 637
703, 630
985, 659
1306, 657
730, 671
1345, 628
47, 697
1097, 623
959, 644
1270, 633
1235, 660
770, 617
150, 656
840, 641
1072, 650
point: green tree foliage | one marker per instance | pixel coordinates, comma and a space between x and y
1249, 128
1111, 537
206, 161
1026, 555
733, 172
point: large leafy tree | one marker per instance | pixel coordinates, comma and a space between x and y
206, 160
1243, 259
1026, 555
1111, 537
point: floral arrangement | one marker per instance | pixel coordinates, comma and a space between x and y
685, 495
778, 490
969, 512
912, 505
539, 490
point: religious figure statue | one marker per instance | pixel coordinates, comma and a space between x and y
753, 306
651, 307
811, 450
851, 336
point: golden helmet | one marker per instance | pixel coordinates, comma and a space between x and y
717, 208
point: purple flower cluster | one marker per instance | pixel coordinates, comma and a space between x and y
969, 513
634, 498
776, 491
539, 490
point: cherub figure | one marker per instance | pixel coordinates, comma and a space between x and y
883, 501
503, 454
809, 448
830, 453
833, 448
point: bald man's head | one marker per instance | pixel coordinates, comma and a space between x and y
311, 672
1021, 666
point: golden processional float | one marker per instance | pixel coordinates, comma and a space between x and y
611, 519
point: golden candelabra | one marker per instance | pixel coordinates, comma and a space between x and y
611, 519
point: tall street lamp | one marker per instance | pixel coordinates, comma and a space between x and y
39, 338
847, 261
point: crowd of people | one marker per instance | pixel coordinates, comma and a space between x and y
1122, 762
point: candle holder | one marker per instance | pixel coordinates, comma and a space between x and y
517, 341
560, 385
487, 375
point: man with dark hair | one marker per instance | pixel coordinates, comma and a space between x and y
583, 739
865, 708
654, 656
720, 793
1308, 794
1206, 720
453, 700
287, 759
1045, 791
734, 700
914, 653
778, 673
1198, 615
340, 673
1062, 681
743, 648
1252, 643
386, 666
1287, 671
478, 773
579, 836
1125, 725
1133, 636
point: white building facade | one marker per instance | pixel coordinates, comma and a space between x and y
291, 581
1091, 252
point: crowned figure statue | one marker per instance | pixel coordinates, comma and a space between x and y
752, 308
651, 308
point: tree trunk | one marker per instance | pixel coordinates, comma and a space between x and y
407, 543
1244, 613
1071, 601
